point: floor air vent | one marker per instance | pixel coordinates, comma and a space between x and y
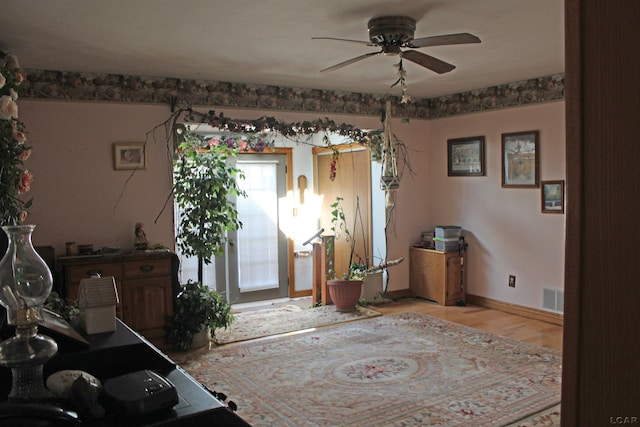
553, 299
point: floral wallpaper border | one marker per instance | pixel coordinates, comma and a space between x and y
76, 86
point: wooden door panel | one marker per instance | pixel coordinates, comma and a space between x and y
352, 182
148, 302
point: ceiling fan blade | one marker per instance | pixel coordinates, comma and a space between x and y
351, 61
447, 39
427, 61
344, 40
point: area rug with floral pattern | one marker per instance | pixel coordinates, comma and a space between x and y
287, 318
405, 369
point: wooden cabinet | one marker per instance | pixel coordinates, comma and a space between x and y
437, 276
144, 283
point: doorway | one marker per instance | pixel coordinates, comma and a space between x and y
241, 272
258, 260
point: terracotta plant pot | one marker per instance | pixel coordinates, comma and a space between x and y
345, 294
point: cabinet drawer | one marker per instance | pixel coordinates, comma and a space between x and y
147, 268
78, 272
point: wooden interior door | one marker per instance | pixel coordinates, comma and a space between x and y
601, 349
353, 183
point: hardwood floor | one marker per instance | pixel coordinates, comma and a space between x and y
494, 321
490, 320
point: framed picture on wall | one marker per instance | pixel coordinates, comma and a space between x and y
552, 193
520, 159
465, 156
129, 155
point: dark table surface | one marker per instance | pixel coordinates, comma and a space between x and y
112, 354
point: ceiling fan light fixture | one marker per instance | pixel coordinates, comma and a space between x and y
391, 50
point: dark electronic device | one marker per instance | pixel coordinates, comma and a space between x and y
141, 392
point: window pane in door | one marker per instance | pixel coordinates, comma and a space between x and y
257, 241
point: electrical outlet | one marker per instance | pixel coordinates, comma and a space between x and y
512, 281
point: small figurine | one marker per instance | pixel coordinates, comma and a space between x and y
140, 243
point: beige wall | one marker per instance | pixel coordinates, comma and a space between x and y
506, 232
79, 197
75, 187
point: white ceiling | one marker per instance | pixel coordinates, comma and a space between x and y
269, 41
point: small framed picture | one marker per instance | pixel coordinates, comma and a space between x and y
552, 193
129, 155
465, 156
520, 159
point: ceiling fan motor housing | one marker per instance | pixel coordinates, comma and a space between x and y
391, 30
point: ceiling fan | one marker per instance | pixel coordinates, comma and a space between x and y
391, 33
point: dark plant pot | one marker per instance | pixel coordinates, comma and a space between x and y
388, 182
345, 294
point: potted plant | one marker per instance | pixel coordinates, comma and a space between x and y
197, 309
204, 181
345, 289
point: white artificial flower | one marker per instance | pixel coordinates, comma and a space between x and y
3, 81
8, 108
13, 94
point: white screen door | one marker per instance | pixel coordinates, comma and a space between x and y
258, 259
257, 244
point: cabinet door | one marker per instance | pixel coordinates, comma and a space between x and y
427, 274
147, 303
